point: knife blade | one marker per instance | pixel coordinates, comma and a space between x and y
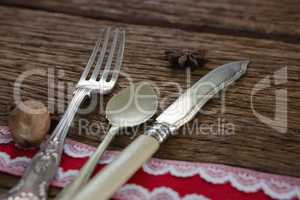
180, 112
189, 103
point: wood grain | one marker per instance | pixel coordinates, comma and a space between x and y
43, 40
267, 19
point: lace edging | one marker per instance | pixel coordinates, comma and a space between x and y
133, 191
275, 186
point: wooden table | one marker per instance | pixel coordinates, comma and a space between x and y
55, 35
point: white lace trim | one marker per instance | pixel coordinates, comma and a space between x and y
5, 136
136, 192
127, 192
64, 177
77, 150
277, 187
16, 165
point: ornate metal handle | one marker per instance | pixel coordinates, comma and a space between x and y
35, 182
160, 131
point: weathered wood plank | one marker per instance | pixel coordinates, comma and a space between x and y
42, 40
270, 19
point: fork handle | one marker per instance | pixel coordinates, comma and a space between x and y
36, 180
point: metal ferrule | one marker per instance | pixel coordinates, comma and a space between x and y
159, 131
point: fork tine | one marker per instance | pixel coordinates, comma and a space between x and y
111, 56
91, 60
118, 63
102, 54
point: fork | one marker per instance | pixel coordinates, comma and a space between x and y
99, 76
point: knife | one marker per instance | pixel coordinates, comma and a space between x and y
141, 149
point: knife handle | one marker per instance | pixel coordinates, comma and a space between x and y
120, 170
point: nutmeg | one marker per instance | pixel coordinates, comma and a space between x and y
29, 122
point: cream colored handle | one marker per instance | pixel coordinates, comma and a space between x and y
84, 175
119, 171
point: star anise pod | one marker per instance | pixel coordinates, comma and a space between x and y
185, 58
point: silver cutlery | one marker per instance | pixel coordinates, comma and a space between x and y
130, 107
180, 112
99, 76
